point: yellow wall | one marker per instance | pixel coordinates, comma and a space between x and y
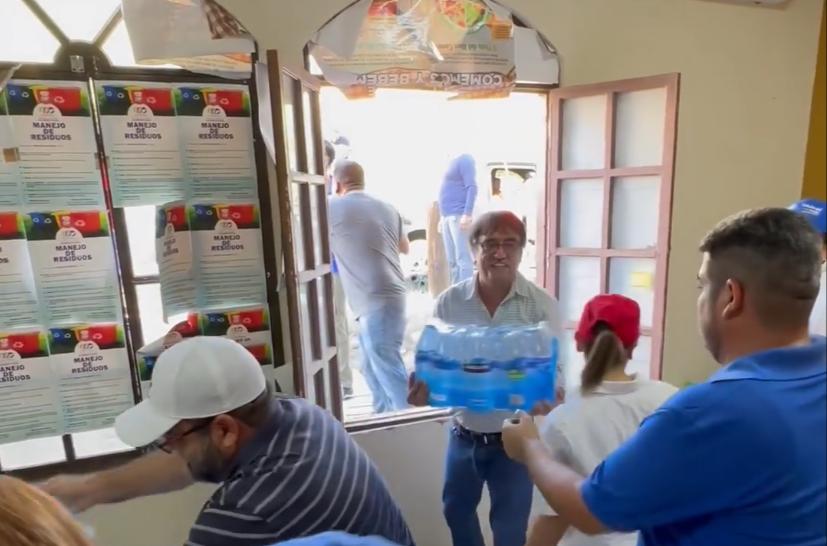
815, 167
747, 78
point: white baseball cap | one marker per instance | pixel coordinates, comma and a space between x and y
196, 378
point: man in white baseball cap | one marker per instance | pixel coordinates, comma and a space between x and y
286, 468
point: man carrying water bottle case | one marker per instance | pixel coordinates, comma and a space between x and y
497, 295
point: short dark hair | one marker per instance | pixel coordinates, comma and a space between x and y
492, 221
330, 152
776, 254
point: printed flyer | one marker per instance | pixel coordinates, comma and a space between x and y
17, 288
91, 369
250, 327
217, 139
140, 135
228, 252
74, 266
9, 178
27, 395
52, 128
173, 252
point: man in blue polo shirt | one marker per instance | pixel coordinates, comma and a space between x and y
740, 460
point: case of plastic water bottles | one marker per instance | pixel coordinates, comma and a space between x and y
487, 368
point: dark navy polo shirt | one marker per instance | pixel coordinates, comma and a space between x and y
740, 460
302, 474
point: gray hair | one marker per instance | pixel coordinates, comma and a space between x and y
775, 253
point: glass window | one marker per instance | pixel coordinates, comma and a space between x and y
640, 118
584, 133
579, 282
22, 37
80, 20
581, 213
140, 225
635, 212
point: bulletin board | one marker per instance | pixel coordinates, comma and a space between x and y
77, 151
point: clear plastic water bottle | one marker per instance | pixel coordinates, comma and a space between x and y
448, 366
500, 362
478, 379
426, 351
542, 368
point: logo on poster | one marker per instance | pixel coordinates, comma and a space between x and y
238, 333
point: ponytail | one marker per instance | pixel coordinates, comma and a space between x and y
606, 352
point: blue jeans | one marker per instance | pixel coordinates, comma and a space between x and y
471, 464
380, 335
457, 249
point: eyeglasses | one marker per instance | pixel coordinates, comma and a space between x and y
490, 246
164, 443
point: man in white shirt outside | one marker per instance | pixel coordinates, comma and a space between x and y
497, 295
815, 212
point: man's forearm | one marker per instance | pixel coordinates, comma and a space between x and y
154, 473
560, 486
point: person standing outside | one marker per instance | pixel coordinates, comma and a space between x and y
497, 295
741, 459
612, 403
339, 300
284, 468
815, 212
366, 238
457, 196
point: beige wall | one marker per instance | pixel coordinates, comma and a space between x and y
747, 79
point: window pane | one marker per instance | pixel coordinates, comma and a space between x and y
641, 358
635, 279
22, 37
584, 133
80, 20
640, 117
579, 282
119, 50
140, 228
581, 213
298, 232
635, 212
572, 361
29, 453
152, 314
289, 100
317, 193
323, 332
307, 108
98, 442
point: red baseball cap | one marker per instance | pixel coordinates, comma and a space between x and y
619, 313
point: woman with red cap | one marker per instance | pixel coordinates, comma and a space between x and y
610, 408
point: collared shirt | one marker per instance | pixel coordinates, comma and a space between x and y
364, 236
525, 304
740, 460
300, 475
587, 428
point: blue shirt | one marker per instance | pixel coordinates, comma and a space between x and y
459, 187
740, 460
337, 539
300, 475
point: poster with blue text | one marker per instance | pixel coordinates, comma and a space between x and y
74, 265
140, 136
51, 124
217, 140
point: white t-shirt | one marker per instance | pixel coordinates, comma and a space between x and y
582, 432
818, 318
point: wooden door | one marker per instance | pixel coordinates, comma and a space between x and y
302, 203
